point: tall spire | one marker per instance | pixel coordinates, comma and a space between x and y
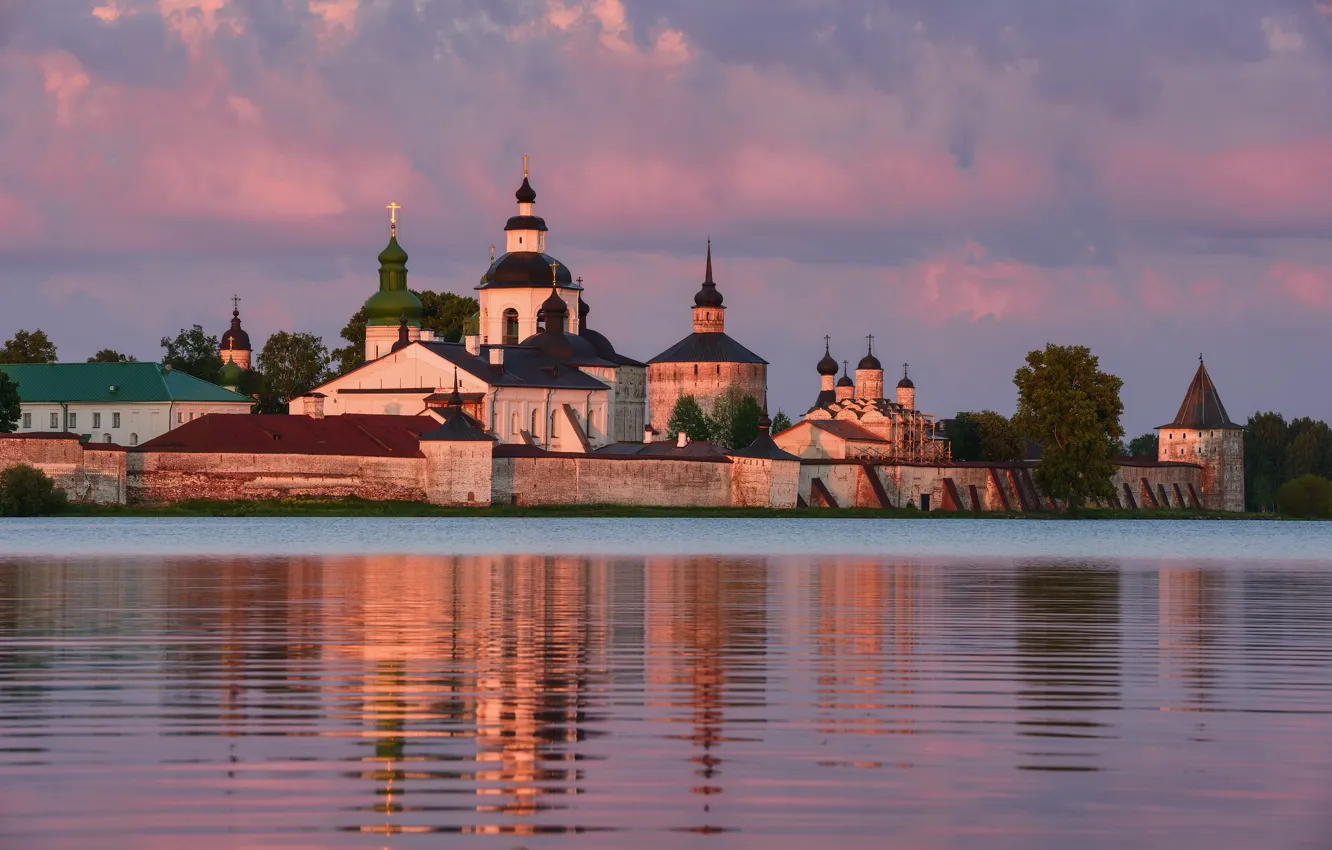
707, 276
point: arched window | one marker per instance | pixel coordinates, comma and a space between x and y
510, 327
517, 425
533, 430
134, 439
554, 431
106, 438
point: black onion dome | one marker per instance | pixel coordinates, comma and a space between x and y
525, 194
235, 339
905, 383
554, 306
845, 381
869, 361
526, 222
708, 296
827, 366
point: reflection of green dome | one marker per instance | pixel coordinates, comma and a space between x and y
231, 374
393, 300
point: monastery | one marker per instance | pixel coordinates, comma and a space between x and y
534, 407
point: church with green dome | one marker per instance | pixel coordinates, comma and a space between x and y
394, 304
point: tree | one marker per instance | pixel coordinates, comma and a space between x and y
1309, 450
194, 353
10, 410
985, 436
780, 422
1072, 409
1147, 445
688, 417
106, 355
1306, 496
27, 491
1265, 438
733, 422
442, 312
293, 363
28, 347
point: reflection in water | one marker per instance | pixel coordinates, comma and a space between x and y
618, 701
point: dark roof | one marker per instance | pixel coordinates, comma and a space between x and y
235, 339
707, 348
525, 194
356, 434
457, 428
869, 361
1202, 408
112, 382
827, 365
523, 367
763, 446
525, 269
525, 222
699, 450
845, 381
826, 397
846, 430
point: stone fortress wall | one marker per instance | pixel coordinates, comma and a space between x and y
706, 382
94, 473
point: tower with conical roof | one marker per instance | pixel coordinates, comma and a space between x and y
707, 364
394, 304
1202, 433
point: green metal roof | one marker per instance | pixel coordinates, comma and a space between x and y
111, 383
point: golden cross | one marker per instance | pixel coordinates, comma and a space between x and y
524, 166
393, 208
554, 273
492, 253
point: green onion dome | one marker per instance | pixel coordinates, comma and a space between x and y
230, 375
394, 300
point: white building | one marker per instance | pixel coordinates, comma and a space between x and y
534, 373
122, 403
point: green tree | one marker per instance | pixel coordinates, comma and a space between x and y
1265, 439
293, 363
10, 410
107, 355
688, 416
27, 491
780, 422
1146, 445
194, 353
1306, 496
733, 422
1309, 451
985, 436
28, 347
1071, 408
444, 313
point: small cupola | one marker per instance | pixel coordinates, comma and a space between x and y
869, 374
827, 366
525, 232
404, 334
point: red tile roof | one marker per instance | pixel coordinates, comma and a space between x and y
356, 434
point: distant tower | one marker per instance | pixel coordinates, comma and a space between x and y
387, 308
827, 377
709, 314
235, 347
869, 374
846, 388
906, 390
1202, 433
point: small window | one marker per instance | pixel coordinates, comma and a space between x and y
115, 420
134, 439
180, 418
106, 438
97, 420
533, 430
510, 335
718, 368
520, 240
73, 420
27, 420
55, 421
695, 370
191, 415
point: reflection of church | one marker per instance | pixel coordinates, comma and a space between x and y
533, 372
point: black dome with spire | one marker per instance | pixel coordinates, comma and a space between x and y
827, 366
869, 361
708, 296
235, 339
403, 339
845, 380
525, 194
553, 341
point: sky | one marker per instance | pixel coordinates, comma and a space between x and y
966, 181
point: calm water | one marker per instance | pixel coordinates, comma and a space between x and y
249, 683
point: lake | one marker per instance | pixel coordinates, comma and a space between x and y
664, 683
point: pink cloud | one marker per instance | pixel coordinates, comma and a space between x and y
1309, 286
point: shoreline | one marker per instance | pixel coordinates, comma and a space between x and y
352, 507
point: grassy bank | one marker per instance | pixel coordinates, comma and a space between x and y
315, 507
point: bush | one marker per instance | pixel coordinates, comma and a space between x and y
1306, 496
27, 491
